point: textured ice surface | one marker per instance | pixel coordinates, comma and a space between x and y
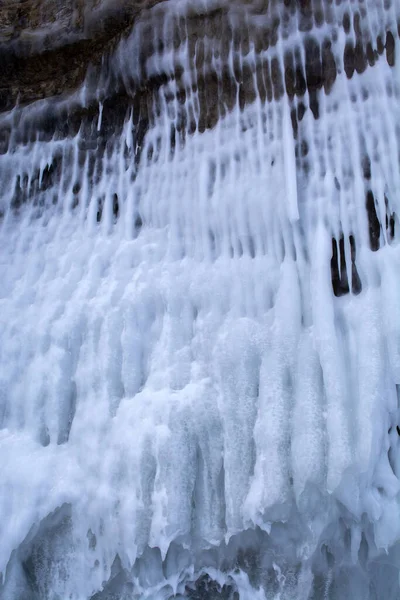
200, 347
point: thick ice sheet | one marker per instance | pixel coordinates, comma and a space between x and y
194, 376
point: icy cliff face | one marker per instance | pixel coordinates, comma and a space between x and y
199, 299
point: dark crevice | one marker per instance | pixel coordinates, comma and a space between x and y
340, 282
390, 49
366, 167
314, 74
99, 213
329, 70
349, 60
115, 206
374, 225
380, 45
390, 222
356, 286
370, 54
339, 269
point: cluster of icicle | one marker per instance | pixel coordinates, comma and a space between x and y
181, 391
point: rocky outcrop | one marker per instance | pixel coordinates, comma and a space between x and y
47, 45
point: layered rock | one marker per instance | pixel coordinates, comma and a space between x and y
47, 45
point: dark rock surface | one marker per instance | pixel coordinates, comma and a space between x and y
47, 45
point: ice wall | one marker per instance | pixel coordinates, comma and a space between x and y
200, 347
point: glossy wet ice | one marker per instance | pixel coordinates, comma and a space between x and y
200, 342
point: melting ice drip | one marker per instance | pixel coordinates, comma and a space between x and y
200, 341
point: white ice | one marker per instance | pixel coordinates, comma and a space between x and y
197, 377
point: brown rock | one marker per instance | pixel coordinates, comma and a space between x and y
47, 45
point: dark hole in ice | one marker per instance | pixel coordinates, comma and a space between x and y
328, 66
295, 126
47, 177
356, 286
390, 49
360, 61
392, 221
304, 148
357, 25
370, 54
115, 206
340, 282
366, 167
172, 139
349, 60
346, 22
99, 210
339, 276
301, 109
314, 105
138, 222
373, 222
314, 75
300, 82
276, 77
5, 134
289, 74
18, 197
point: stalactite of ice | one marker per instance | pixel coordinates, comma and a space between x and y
182, 394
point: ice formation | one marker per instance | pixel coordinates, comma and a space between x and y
199, 313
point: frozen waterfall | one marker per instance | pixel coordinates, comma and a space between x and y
200, 312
